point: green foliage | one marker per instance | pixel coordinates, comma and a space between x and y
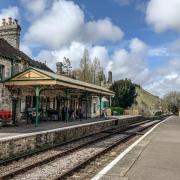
172, 108
158, 113
117, 110
125, 93
173, 99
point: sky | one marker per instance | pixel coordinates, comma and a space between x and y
135, 39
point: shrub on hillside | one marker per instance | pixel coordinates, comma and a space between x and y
117, 110
125, 93
158, 113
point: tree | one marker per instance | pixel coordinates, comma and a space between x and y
90, 71
125, 93
97, 72
172, 108
95, 67
85, 68
66, 66
173, 100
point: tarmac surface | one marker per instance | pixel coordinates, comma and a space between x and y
25, 129
156, 157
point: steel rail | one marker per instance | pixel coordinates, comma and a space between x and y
26, 155
87, 161
108, 133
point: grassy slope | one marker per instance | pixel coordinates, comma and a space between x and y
147, 102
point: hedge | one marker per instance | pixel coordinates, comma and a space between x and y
117, 110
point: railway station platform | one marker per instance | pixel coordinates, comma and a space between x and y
155, 156
25, 129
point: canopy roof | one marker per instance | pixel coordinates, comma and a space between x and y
35, 76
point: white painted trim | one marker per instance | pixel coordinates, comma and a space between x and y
118, 158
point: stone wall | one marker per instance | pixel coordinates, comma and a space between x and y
11, 147
5, 102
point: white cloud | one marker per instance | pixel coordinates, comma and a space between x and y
11, 11
165, 79
163, 15
34, 7
131, 64
64, 23
24, 48
57, 26
124, 64
74, 52
62, 31
101, 53
48, 57
102, 29
159, 52
138, 47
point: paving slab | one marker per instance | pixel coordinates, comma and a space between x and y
156, 157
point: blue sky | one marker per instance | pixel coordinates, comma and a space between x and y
136, 39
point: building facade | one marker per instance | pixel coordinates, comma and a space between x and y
20, 75
12, 60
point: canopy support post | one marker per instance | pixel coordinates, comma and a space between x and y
100, 101
37, 93
110, 101
67, 113
14, 102
86, 104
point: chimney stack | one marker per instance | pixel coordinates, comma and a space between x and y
10, 31
59, 68
109, 77
3, 22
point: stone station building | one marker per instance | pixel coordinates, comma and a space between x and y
28, 85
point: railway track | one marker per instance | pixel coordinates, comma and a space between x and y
59, 162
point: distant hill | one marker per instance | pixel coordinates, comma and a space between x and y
147, 103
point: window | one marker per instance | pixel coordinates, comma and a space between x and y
1, 72
16, 69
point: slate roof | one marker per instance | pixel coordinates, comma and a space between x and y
10, 52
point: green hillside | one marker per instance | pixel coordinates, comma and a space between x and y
147, 103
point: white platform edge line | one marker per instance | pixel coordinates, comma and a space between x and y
28, 134
118, 158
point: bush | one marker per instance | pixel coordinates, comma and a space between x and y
158, 113
117, 110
